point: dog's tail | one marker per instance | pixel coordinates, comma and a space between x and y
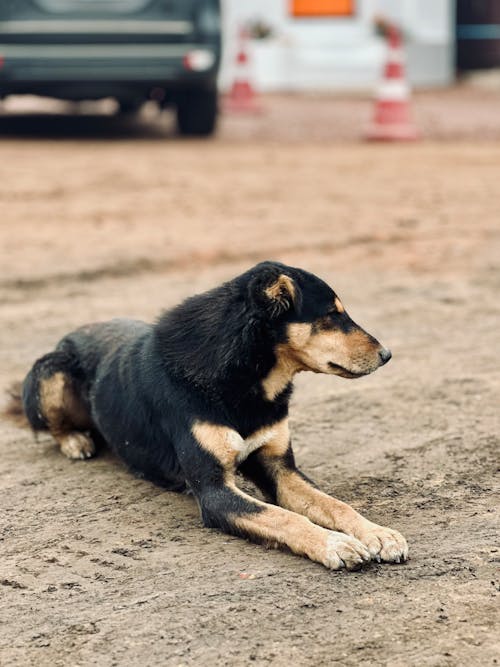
13, 410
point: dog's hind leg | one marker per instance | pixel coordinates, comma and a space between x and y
54, 400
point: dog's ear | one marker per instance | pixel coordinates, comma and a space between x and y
276, 292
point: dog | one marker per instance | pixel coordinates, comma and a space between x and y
203, 394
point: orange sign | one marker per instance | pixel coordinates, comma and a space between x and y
322, 7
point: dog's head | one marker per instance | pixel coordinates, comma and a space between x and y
315, 331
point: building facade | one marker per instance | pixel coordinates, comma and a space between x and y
321, 45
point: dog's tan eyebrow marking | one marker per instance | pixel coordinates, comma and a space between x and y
338, 305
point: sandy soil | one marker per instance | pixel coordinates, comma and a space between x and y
99, 568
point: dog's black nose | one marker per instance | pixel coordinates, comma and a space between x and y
385, 355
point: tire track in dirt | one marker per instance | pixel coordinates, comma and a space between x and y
206, 259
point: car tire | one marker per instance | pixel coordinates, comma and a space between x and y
197, 110
126, 107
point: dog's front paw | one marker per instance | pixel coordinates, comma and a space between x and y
384, 544
345, 551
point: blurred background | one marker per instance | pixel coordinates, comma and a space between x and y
330, 45
150, 149
179, 55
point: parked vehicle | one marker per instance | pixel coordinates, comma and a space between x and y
131, 50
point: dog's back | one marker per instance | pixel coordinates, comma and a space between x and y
92, 343
55, 395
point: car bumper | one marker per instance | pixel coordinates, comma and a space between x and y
151, 64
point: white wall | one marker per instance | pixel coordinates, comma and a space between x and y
343, 53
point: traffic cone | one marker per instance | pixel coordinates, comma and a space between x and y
242, 97
392, 120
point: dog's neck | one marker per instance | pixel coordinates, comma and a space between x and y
281, 374
240, 361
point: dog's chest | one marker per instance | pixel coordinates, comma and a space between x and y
245, 446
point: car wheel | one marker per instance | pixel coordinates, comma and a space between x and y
129, 106
197, 112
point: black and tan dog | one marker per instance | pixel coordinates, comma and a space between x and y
204, 393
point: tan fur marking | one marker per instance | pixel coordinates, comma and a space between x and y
65, 415
278, 444
51, 400
287, 364
279, 527
230, 448
297, 495
63, 409
284, 285
305, 349
338, 305
221, 441
355, 351
299, 335
281, 374
266, 438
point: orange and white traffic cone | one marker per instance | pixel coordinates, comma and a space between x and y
242, 97
392, 120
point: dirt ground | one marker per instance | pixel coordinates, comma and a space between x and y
100, 219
